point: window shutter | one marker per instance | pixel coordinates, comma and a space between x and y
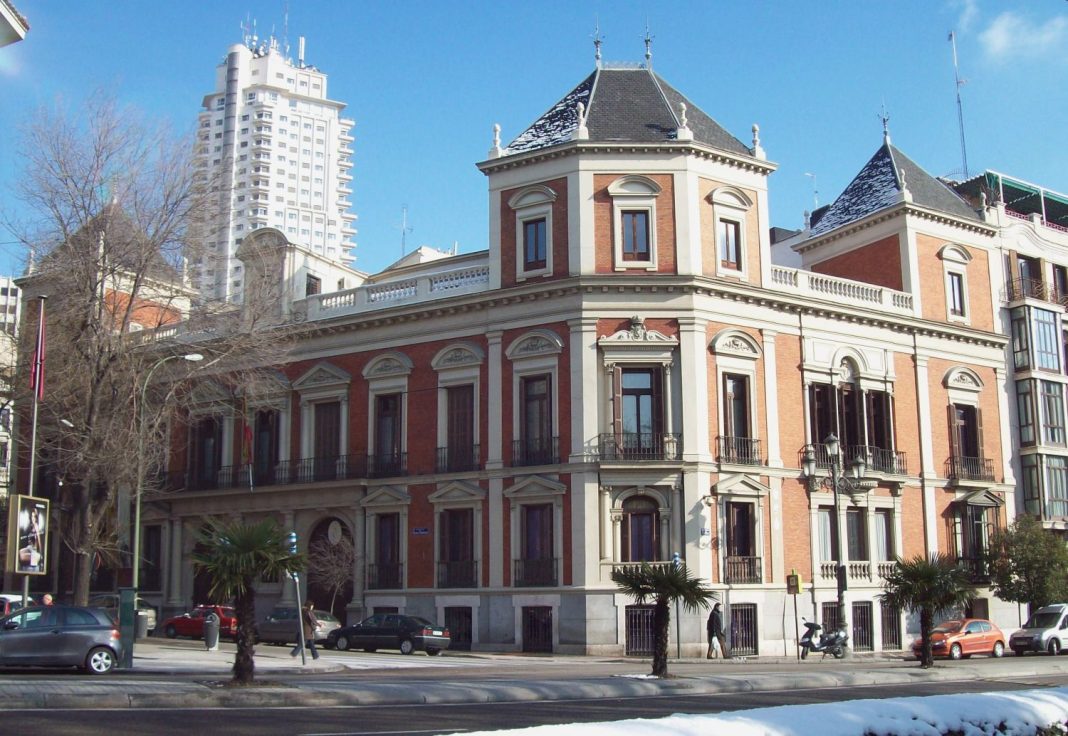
617, 402
979, 432
954, 431
657, 384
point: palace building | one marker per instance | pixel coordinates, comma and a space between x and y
627, 375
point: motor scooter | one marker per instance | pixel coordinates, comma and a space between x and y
831, 643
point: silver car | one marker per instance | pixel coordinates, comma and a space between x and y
280, 626
60, 636
110, 603
1045, 631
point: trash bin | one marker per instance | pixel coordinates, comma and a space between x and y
211, 632
141, 625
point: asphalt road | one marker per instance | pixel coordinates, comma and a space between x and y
438, 719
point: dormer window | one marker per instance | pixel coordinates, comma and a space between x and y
533, 208
955, 261
633, 215
730, 207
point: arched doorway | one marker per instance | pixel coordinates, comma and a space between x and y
331, 558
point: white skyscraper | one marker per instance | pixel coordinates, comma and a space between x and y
277, 152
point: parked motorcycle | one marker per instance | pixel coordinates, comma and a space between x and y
831, 643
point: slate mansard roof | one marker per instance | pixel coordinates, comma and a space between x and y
879, 185
624, 105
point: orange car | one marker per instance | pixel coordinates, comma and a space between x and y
963, 638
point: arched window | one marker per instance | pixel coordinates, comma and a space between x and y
640, 529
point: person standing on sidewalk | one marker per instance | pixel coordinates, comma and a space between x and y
310, 623
717, 642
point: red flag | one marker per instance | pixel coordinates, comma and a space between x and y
37, 367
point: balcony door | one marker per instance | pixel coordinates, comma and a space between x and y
460, 426
326, 441
640, 530
206, 457
640, 421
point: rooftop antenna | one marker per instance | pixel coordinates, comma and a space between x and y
815, 192
598, 39
960, 110
648, 47
405, 228
246, 30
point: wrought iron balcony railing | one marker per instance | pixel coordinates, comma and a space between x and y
743, 570
458, 459
535, 451
385, 576
458, 574
640, 446
739, 450
960, 467
540, 572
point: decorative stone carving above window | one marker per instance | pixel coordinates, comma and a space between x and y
391, 364
638, 344
457, 356
537, 343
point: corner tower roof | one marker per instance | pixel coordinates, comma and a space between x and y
881, 183
624, 105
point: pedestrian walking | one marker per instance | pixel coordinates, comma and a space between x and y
717, 642
310, 623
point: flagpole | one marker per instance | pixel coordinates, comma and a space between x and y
37, 384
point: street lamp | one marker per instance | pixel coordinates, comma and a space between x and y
192, 358
834, 481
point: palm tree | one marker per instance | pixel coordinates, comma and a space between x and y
235, 555
662, 584
929, 585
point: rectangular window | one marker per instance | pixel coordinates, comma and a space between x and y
857, 534
386, 572
387, 426
956, 294
635, 235
264, 450
1021, 343
152, 558
536, 418
326, 440
537, 532
741, 530
1052, 412
1047, 341
828, 531
1032, 488
1025, 410
640, 530
534, 244
313, 285
460, 427
206, 452
736, 405
640, 411
730, 254
883, 535
821, 401
1057, 486
965, 434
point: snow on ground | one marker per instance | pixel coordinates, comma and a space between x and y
973, 714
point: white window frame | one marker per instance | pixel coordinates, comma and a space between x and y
458, 364
633, 193
533, 491
533, 203
535, 353
737, 353
323, 383
387, 374
731, 205
459, 495
955, 260
381, 501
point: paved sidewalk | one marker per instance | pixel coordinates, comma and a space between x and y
691, 677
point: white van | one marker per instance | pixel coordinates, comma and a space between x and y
1045, 631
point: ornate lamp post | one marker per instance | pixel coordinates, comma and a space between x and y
833, 481
193, 358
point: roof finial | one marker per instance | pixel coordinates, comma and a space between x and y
906, 195
648, 47
495, 151
758, 150
683, 132
581, 133
885, 117
598, 39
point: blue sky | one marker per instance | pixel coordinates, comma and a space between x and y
426, 81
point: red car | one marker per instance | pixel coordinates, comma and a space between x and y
192, 623
961, 638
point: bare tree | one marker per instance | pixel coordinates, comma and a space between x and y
114, 206
330, 564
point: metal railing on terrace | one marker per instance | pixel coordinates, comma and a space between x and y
841, 291
530, 573
740, 569
739, 450
878, 459
458, 459
1018, 289
458, 574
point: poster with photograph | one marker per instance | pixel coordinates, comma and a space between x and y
28, 535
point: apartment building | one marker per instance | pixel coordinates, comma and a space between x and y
274, 148
625, 375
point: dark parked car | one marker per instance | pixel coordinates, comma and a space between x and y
392, 631
192, 623
280, 626
60, 636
